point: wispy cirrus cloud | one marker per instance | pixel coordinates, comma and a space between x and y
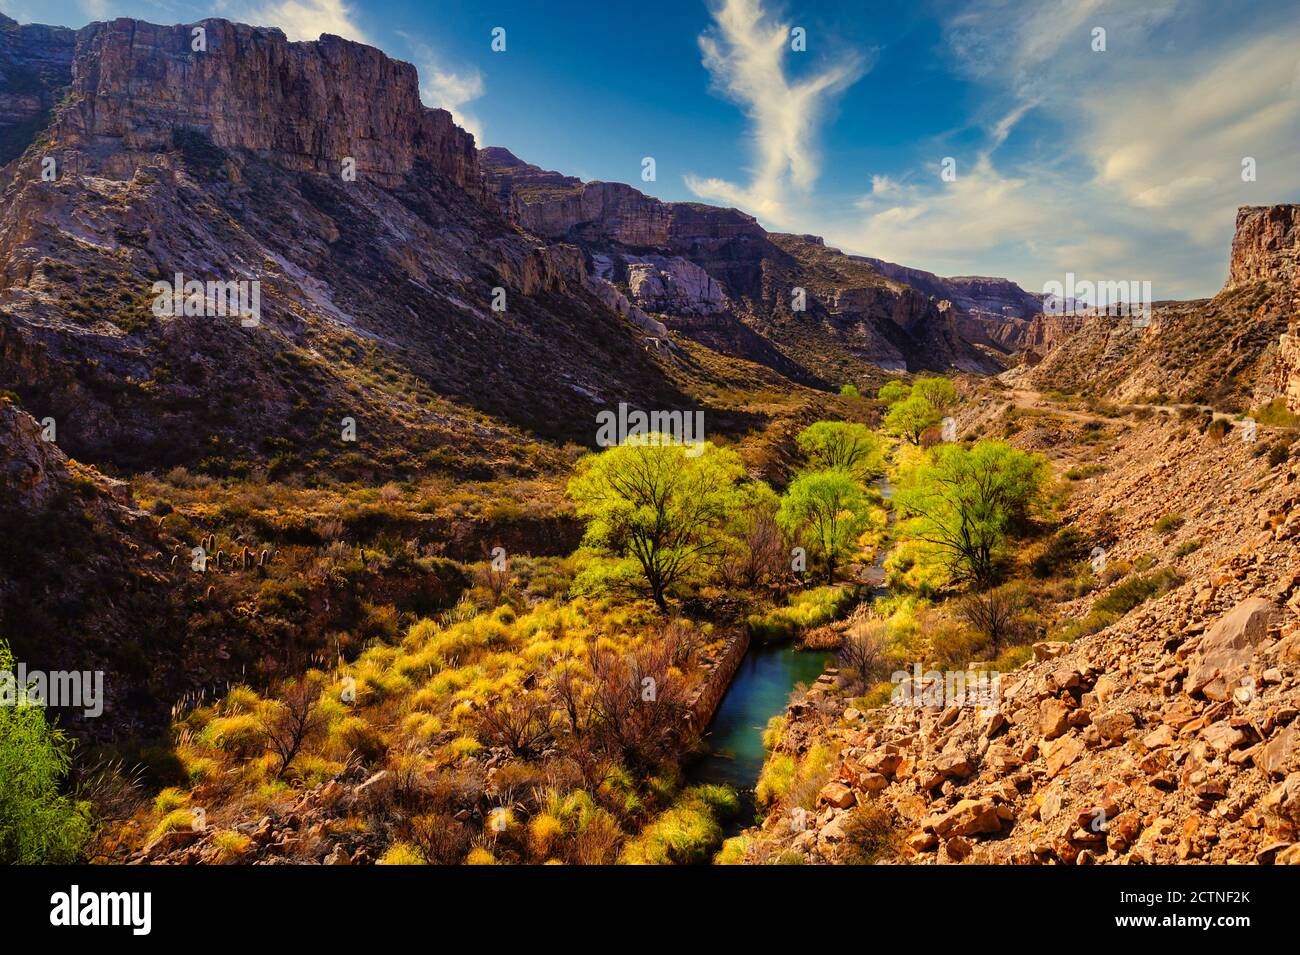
745, 52
1134, 165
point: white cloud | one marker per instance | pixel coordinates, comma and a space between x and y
96, 9
302, 19
452, 91
1142, 175
745, 53
446, 88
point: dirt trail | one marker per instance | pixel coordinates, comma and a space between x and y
1034, 400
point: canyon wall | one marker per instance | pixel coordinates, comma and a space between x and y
304, 106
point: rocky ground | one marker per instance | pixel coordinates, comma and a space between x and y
1170, 736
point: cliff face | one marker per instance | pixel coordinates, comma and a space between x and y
378, 294
1231, 351
35, 69
615, 212
979, 296
716, 276
1266, 246
304, 106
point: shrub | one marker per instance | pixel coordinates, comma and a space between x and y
1168, 523
230, 845
1275, 414
733, 851
1065, 547
869, 835
357, 736
544, 830
169, 799
1126, 595
37, 823
686, 834
178, 820
401, 853
806, 610
775, 779
1084, 471
240, 735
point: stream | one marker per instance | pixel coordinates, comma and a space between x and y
761, 689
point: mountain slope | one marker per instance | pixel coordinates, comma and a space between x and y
717, 276
376, 294
1224, 351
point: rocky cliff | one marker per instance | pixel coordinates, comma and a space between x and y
978, 296
304, 106
1266, 248
379, 293
1226, 351
715, 275
35, 70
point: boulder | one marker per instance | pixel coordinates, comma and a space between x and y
1225, 653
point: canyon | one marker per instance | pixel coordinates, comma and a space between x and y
443, 326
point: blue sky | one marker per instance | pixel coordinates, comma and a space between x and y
1122, 163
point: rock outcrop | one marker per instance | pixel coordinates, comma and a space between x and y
976, 295
226, 163
35, 69
715, 275
305, 106
1227, 352
1266, 246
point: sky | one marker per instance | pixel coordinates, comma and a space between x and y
1018, 138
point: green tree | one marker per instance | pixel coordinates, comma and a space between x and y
828, 510
910, 418
964, 502
845, 445
37, 824
940, 392
892, 391
850, 391
659, 506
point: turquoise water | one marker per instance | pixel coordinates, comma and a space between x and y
759, 691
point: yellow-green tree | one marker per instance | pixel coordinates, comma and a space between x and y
827, 510
892, 391
940, 392
658, 508
964, 503
844, 445
911, 417
37, 823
